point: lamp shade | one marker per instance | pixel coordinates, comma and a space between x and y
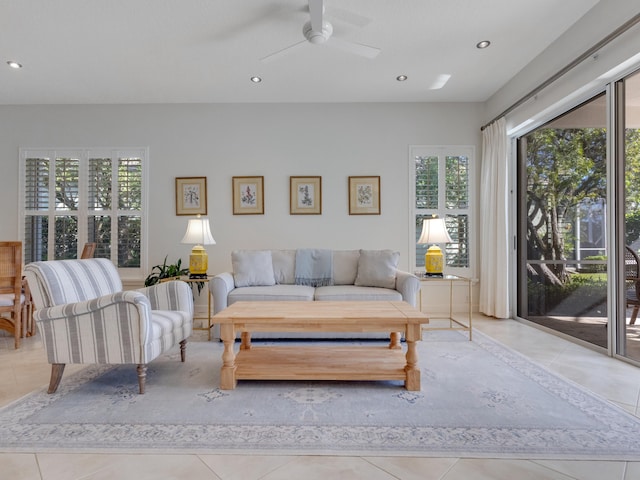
198, 232
434, 230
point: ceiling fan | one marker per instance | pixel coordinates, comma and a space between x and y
318, 31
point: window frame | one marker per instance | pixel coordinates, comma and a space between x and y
443, 151
83, 211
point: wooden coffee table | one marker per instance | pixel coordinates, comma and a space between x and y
313, 362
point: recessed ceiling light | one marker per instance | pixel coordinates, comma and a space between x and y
483, 44
13, 64
401, 78
256, 79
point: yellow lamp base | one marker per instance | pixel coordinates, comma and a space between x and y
198, 262
434, 261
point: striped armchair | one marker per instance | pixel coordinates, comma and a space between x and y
84, 316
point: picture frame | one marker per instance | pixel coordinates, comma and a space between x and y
305, 195
364, 195
248, 195
191, 195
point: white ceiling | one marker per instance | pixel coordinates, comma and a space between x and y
205, 51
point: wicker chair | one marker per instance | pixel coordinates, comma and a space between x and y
632, 279
12, 299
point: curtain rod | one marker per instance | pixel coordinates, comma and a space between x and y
609, 38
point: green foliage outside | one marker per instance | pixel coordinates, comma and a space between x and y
580, 295
595, 267
566, 178
566, 168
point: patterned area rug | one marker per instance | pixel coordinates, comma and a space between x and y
478, 399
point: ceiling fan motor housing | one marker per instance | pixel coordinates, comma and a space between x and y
316, 37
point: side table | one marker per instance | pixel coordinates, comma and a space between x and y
454, 324
192, 282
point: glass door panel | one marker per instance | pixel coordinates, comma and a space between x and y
562, 224
629, 328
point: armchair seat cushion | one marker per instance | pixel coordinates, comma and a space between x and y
165, 322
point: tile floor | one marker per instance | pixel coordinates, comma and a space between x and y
25, 369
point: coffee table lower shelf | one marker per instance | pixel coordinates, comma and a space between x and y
317, 363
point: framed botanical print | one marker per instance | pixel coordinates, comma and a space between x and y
248, 195
364, 195
305, 195
191, 195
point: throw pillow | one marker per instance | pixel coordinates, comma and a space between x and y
377, 268
252, 268
345, 266
284, 263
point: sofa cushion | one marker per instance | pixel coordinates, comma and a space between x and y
274, 292
359, 294
284, 266
252, 268
377, 268
345, 266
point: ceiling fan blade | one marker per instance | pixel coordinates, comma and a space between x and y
347, 16
285, 51
316, 10
351, 47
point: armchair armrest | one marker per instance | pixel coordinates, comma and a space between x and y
173, 295
110, 329
408, 285
91, 307
220, 286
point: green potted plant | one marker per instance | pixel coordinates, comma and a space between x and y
160, 272
172, 270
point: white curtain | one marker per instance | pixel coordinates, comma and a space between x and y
494, 234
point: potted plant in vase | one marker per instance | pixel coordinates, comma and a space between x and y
168, 271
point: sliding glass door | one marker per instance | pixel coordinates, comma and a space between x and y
578, 269
628, 327
562, 224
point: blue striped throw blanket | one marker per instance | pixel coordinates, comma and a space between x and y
314, 267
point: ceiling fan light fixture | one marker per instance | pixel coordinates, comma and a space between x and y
317, 37
483, 44
256, 79
317, 31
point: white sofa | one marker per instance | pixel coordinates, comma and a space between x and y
270, 275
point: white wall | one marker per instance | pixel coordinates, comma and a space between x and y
275, 140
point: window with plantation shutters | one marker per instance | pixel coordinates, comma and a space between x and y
441, 180
79, 196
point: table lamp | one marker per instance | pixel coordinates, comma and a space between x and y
434, 231
198, 234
